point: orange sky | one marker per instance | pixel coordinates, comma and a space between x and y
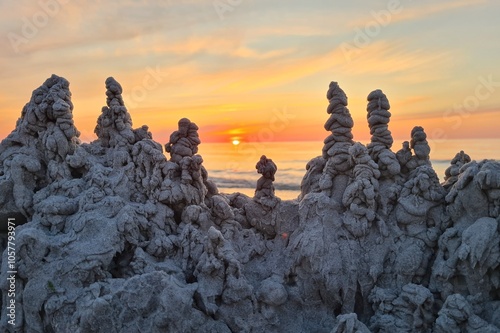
259, 71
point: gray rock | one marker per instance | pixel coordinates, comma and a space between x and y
119, 239
265, 188
458, 315
114, 125
183, 142
349, 323
452, 172
381, 141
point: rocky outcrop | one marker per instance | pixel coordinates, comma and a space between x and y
468, 253
264, 191
34, 154
120, 238
459, 315
183, 142
360, 195
420, 147
337, 144
187, 180
381, 141
114, 125
452, 172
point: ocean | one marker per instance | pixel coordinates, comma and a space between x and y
232, 167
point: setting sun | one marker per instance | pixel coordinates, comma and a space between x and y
236, 142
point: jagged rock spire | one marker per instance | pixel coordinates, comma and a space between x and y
120, 232
335, 159
34, 154
378, 119
183, 142
267, 168
419, 143
337, 144
452, 172
50, 103
381, 141
114, 125
340, 122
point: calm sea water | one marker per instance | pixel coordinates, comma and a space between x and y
233, 167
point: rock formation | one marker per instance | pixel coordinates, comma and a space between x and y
118, 238
381, 142
452, 172
379, 148
420, 148
336, 148
265, 188
331, 170
34, 154
467, 260
404, 156
458, 315
114, 125
183, 142
187, 182
360, 195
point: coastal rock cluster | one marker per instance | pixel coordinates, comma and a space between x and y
114, 236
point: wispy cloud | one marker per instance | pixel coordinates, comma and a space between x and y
418, 11
383, 57
265, 54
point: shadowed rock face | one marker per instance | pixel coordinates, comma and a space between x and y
121, 239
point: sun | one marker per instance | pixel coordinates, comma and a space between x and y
236, 142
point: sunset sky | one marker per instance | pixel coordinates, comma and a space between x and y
258, 70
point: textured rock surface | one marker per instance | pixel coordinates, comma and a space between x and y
333, 168
120, 238
33, 155
183, 142
264, 191
381, 142
452, 172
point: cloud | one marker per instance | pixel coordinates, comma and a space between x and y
386, 57
419, 11
263, 55
442, 113
88, 23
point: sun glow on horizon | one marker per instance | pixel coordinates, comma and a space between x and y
262, 82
